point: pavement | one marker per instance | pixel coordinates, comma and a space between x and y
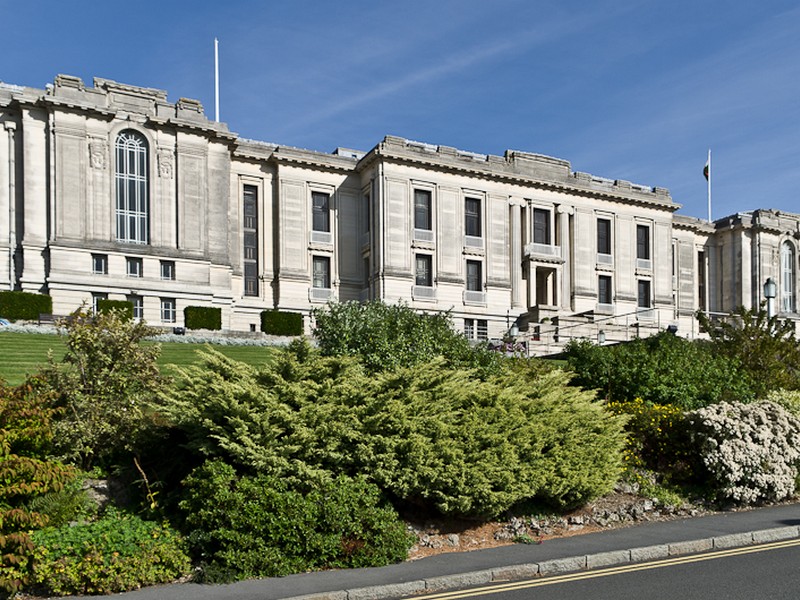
442, 572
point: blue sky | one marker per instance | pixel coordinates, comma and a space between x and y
636, 90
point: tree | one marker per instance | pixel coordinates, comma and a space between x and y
386, 337
766, 347
102, 386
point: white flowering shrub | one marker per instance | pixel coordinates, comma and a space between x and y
751, 451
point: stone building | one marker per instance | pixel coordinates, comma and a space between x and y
112, 191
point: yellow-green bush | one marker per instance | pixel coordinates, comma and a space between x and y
117, 553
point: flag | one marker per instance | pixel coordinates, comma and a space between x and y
707, 168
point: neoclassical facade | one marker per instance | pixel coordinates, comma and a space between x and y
112, 191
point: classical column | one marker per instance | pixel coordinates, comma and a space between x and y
517, 291
11, 128
565, 302
36, 217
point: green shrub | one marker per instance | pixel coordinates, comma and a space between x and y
202, 317
277, 322
242, 527
662, 369
25, 473
124, 307
24, 306
428, 434
120, 552
387, 337
102, 387
750, 452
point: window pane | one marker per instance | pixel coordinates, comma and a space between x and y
422, 210
643, 242
320, 212
541, 226
603, 236
424, 275
472, 217
474, 279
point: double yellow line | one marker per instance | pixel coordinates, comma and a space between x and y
629, 568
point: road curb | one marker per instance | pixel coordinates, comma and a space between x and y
556, 566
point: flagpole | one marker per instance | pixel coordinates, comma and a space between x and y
216, 78
709, 185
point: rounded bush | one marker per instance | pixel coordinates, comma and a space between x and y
120, 552
260, 526
751, 452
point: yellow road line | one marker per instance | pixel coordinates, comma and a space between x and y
627, 568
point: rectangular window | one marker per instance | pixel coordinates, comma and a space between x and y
250, 240
541, 226
643, 296
367, 224
96, 297
138, 307
100, 264
472, 217
474, 276
322, 272
424, 272
476, 329
603, 236
168, 310
366, 272
643, 242
422, 210
133, 267
604, 289
320, 209
168, 270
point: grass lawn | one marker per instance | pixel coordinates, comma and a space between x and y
24, 353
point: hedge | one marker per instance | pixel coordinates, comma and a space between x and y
202, 317
124, 307
277, 322
24, 306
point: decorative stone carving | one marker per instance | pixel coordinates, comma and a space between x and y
165, 164
97, 154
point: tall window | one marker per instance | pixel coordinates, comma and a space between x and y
250, 230
604, 289
788, 276
603, 236
322, 272
169, 311
643, 242
133, 203
474, 276
541, 226
422, 210
321, 211
423, 275
138, 306
472, 217
643, 296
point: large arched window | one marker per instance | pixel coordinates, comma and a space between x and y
132, 188
788, 276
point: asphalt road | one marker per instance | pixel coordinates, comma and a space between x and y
764, 572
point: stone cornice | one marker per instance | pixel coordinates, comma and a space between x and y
534, 170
